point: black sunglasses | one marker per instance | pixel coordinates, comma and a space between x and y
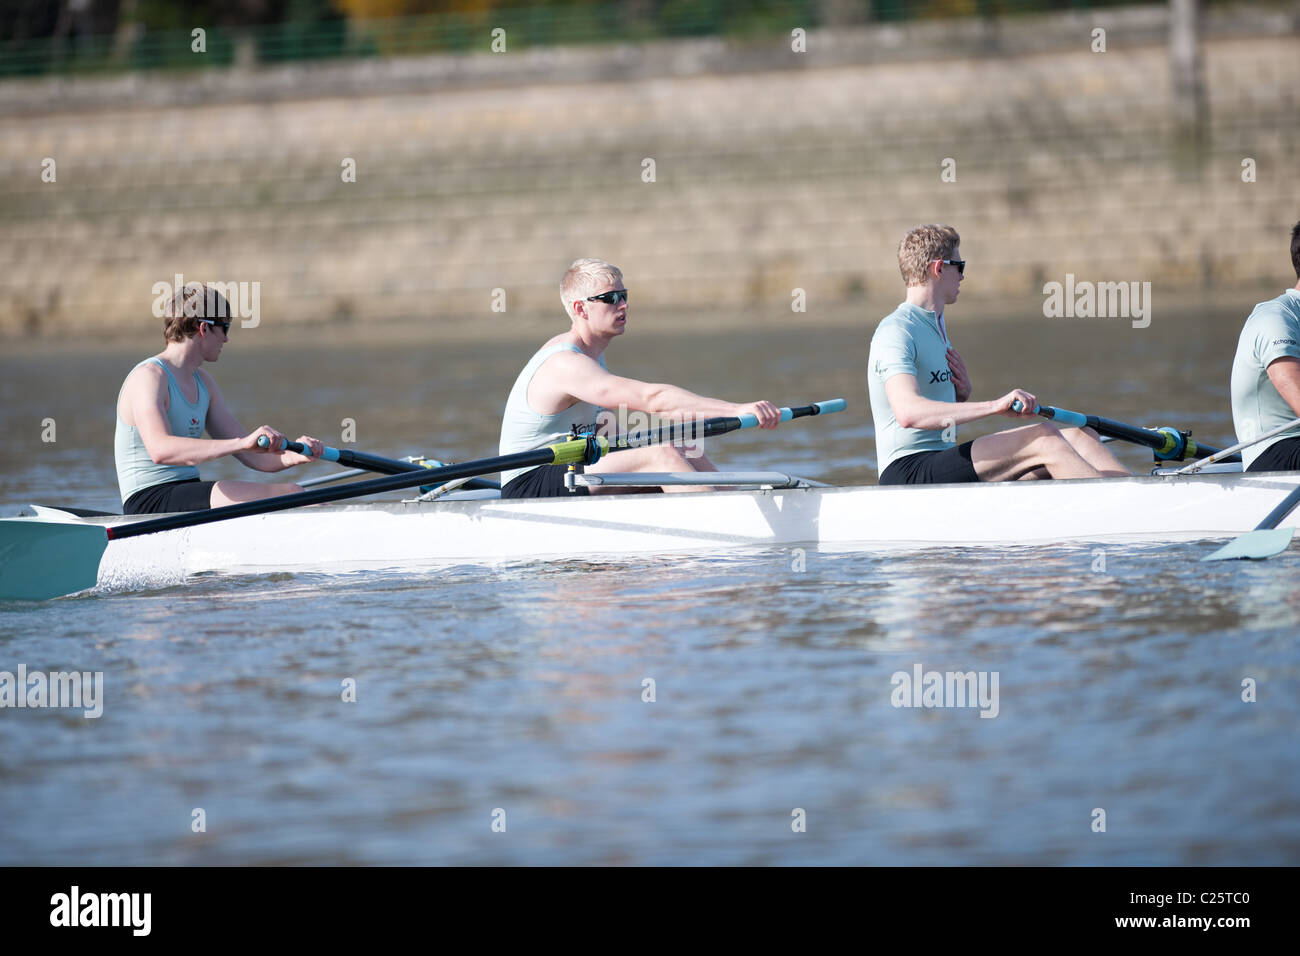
959, 263
224, 326
610, 298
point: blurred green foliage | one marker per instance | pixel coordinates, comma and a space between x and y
93, 36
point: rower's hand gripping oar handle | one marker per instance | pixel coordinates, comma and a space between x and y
1062, 415
799, 411
329, 454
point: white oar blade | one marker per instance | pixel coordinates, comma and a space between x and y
1254, 544
46, 559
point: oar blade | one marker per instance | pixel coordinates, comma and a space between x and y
47, 559
1255, 545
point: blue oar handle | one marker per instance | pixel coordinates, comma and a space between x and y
816, 408
329, 454
1062, 415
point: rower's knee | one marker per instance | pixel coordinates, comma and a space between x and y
1045, 434
1085, 431
668, 458
1050, 444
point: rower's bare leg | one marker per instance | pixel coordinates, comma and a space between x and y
693, 452
227, 492
1009, 455
650, 458
1094, 451
1034, 474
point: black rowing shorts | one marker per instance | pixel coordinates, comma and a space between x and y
169, 497
932, 467
1279, 456
544, 481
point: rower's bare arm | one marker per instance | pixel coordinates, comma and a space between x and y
913, 410
1284, 373
587, 381
143, 400
223, 425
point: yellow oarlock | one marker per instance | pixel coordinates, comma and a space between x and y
574, 451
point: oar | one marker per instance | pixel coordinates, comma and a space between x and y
1196, 466
1168, 444
46, 559
360, 459
329, 479
1266, 540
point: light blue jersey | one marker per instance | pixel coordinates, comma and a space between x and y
1271, 332
136, 470
908, 341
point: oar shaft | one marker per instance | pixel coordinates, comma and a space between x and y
327, 479
1227, 453
562, 453
709, 428
361, 459
573, 452
1167, 443
1284, 508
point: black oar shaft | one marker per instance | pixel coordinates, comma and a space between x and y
394, 466
1158, 441
1284, 508
385, 466
1167, 444
1130, 433
407, 479
694, 431
574, 451
671, 434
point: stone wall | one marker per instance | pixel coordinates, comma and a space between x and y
773, 171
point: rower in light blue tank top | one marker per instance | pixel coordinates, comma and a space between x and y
912, 341
135, 469
523, 429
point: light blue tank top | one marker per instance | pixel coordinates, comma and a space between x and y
135, 469
1272, 332
523, 429
910, 340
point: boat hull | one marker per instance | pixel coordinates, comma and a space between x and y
402, 534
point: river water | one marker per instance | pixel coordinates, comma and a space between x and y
501, 714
